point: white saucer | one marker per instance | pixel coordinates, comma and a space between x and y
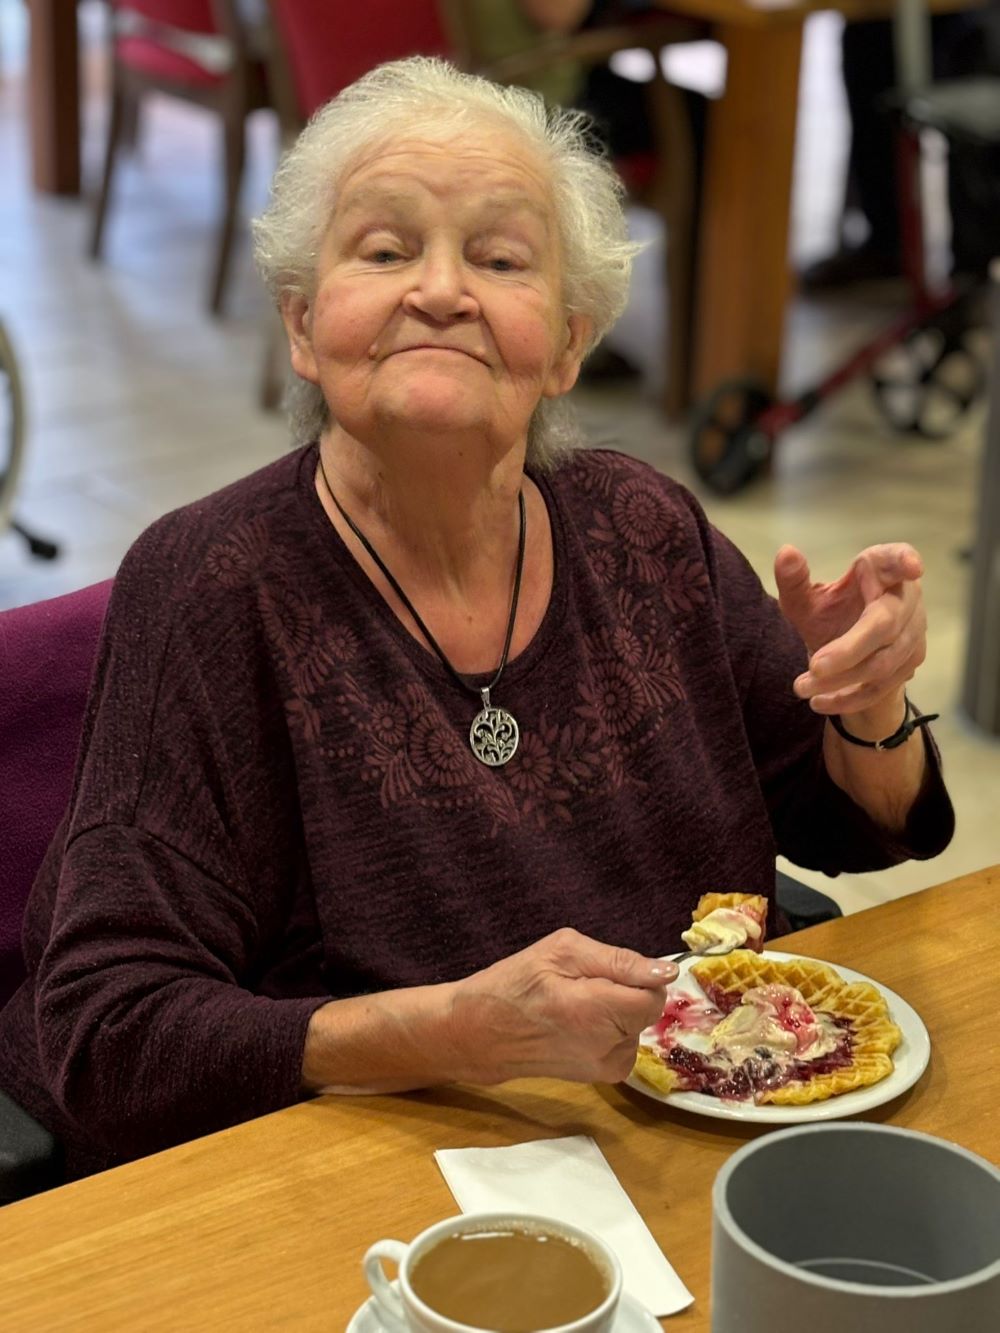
632, 1317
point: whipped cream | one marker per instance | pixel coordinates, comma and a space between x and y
778, 1018
724, 928
764, 1041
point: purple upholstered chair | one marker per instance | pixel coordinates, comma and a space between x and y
47, 654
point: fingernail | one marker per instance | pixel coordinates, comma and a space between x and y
801, 686
657, 971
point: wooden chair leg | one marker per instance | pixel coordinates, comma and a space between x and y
116, 119
235, 152
130, 125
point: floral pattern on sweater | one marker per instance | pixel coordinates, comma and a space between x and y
627, 681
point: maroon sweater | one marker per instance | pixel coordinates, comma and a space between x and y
275, 802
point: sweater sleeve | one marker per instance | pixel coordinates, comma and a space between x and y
815, 823
147, 1032
175, 882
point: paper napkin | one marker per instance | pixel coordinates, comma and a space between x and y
568, 1179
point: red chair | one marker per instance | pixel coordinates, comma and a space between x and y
319, 47
201, 51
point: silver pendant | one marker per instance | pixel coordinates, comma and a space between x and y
493, 734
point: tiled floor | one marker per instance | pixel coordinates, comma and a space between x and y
139, 402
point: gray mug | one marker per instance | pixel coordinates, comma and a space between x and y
855, 1228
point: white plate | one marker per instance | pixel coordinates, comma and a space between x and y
632, 1317
909, 1062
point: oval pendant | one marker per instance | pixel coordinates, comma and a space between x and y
493, 736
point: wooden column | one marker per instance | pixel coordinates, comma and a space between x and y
54, 97
743, 279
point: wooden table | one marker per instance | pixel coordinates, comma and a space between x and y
263, 1226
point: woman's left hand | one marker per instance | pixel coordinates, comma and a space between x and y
866, 633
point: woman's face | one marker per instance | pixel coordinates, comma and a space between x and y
438, 302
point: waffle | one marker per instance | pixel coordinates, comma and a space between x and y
739, 902
873, 1034
741, 970
651, 1069
751, 907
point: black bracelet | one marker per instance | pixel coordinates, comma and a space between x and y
911, 720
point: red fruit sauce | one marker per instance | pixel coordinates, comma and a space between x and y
698, 1072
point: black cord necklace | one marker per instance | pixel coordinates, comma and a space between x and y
494, 733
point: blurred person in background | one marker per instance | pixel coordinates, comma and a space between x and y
506, 27
962, 44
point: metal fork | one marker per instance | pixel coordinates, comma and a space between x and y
712, 952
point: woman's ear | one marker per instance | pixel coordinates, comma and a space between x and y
296, 316
566, 368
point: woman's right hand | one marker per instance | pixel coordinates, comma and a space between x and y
566, 1007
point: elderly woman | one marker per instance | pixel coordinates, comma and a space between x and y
407, 756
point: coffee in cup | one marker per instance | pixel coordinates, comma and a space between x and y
508, 1273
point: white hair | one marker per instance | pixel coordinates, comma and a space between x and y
431, 97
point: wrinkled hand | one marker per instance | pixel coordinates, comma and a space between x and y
866, 633
566, 1007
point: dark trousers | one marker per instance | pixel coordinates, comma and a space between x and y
619, 106
960, 46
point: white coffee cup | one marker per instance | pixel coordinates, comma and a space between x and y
398, 1303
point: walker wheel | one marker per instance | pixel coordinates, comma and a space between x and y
727, 450
926, 384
